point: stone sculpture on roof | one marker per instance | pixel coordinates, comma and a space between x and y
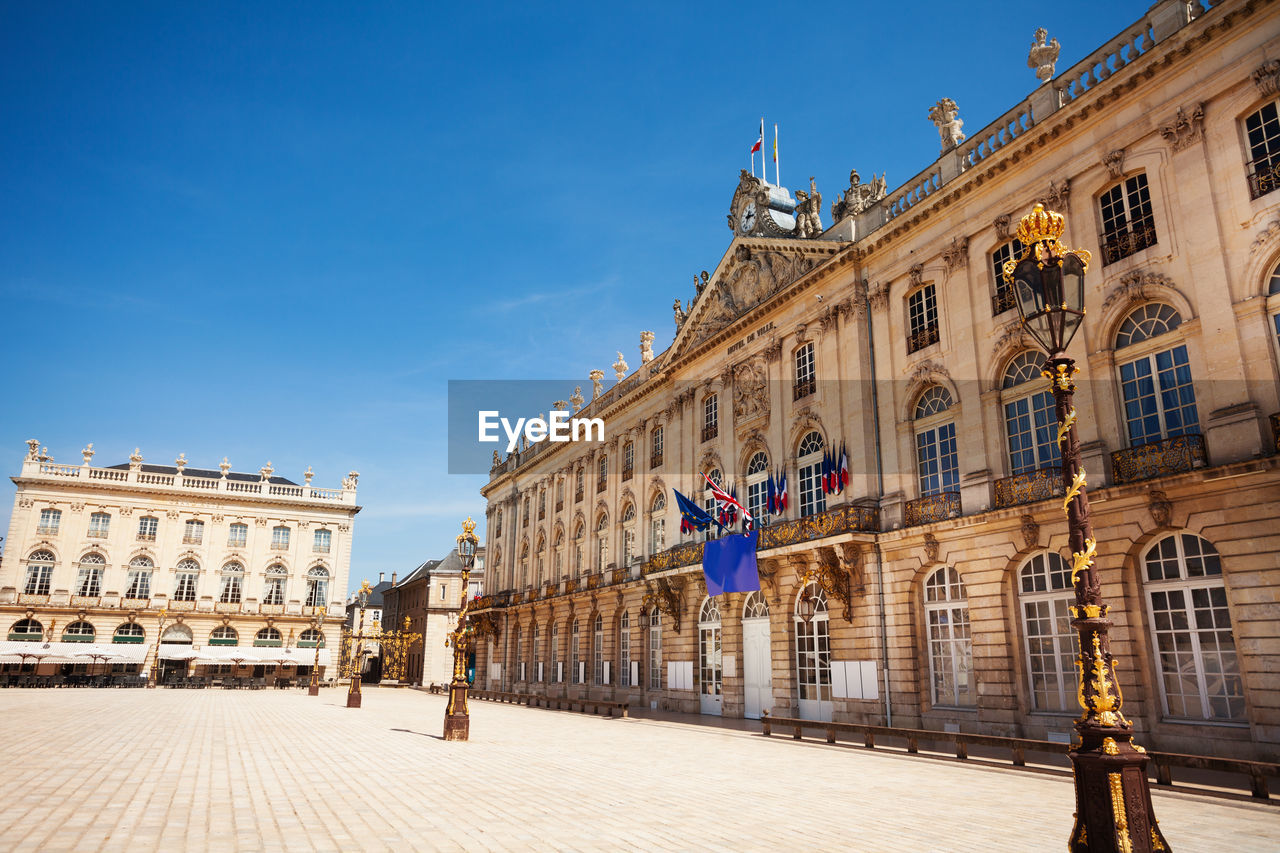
809, 212
859, 196
946, 117
1043, 56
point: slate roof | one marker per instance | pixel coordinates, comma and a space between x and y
205, 472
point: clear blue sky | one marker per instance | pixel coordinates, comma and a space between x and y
274, 233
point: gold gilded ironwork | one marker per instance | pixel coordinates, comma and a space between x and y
1076, 485
1065, 426
1029, 487
1158, 458
1123, 844
1105, 703
1156, 844
1081, 560
1041, 224
1109, 746
1090, 611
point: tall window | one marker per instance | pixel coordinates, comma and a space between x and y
147, 527
50, 520
537, 653
188, 572
813, 644
624, 650
709, 649
710, 417
237, 535
1159, 397
628, 460
321, 540
139, 581
540, 560
317, 586
193, 532
1199, 672
555, 653
1029, 418
524, 564
922, 318
806, 375
655, 649
577, 487
280, 538
602, 472
812, 500
273, 593
557, 555
520, 672
655, 447
1004, 299
629, 535
542, 504
602, 543
1046, 596
524, 514
39, 573
1263, 131
579, 533
709, 502
757, 487
1128, 225
1273, 291
658, 523
232, 584
575, 652
946, 611
935, 442
597, 648
89, 582
99, 525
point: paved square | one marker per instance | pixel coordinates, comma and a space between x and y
143, 770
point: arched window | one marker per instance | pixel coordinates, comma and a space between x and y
1029, 417
310, 638
557, 555
757, 482
946, 611
624, 650
177, 634
232, 583
79, 632
1159, 397
813, 650
658, 523
602, 542
1046, 596
50, 521
1262, 130
1191, 624
806, 373
268, 637
809, 461
579, 533
28, 630
224, 635
317, 586
1273, 301
935, 431
129, 632
755, 607
524, 564
39, 573
655, 649
89, 581
280, 538
139, 580
575, 652
188, 571
540, 561
597, 648
710, 662
273, 592
629, 535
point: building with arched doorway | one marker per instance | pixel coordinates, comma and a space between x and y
930, 590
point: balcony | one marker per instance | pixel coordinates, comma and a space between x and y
226, 607
320, 549
135, 603
1003, 301
1264, 176
271, 609
192, 540
146, 537
923, 338
279, 546
33, 598
844, 519
600, 484
1122, 244
710, 431
97, 534
1028, 487
655, 459
181, 605
560, 505
47, 529
85, 600
571, 585
626, 473
551, 589
577, 495
803, 388
932, 508
618, 576
1158, 459
236, 543
593, 581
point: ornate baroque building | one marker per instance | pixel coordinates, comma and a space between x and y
430, 597
241, 564
932, 591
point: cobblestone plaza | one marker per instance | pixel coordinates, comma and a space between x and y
144, 770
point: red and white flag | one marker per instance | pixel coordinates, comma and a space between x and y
727, 502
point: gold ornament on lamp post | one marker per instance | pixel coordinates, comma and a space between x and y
317, 623
1113, 798
357, 643
457, 722
155, 661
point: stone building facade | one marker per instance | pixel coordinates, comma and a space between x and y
240, 564
931, 591
431, 597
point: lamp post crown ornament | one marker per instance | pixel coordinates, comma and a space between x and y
1041, 224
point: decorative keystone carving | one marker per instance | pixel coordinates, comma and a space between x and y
957, 256
1001, 224
930, 548
1137, 285
1056, 198
1265, 236
1160, 506
1185, 129
1114, 161
1030, 532
945, 116
1043, 56
917, 275
1267, 78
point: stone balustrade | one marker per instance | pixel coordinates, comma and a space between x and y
48, 470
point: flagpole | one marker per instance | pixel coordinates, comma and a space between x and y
764, 170
776, 177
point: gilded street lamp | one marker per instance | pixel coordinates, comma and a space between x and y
357, 643
317, 623
1113, 799
457, 723
155, 661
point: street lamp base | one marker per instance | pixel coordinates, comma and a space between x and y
353, 700
457, 727
313, 690
1113, 798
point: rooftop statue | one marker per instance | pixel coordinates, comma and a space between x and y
809, 212
1043, 56
859, 196
946, 117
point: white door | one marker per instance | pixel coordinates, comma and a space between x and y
710, 674
757, 662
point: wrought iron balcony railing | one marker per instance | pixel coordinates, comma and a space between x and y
1122, 244
192, 540
803, 388
1004, 300
626, 473
1264, 176
1158, 458
710, 431
655, 459
932, 508
1028, 487
146, 537
1275, 432
923, 338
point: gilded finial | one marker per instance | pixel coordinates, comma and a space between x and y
468, 526
365, 588
1041, 224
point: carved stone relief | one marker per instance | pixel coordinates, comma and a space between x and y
1056, 198
1114, 161
1185, 129
945, 116
957, 256
1003, 224
1160, 506
750, 392
1030, 532
1267, 78
1137, 285
930, 548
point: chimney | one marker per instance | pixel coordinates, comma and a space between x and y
380, 576
393, 578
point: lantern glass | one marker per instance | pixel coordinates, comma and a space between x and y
466, 547
1050, 296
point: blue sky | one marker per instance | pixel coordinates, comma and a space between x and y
274, 232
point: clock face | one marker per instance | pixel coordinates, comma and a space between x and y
748, 220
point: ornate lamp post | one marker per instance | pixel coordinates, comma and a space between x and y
317, 623
1113, 800
357, 643
457, 723
154, 681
